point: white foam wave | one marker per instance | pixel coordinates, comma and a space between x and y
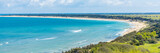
122, 32
1, 44
6, 42
75, 31
37, 39
81, 42
46, 38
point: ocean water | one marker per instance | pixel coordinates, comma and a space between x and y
48, 35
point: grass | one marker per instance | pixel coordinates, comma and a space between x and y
153, 48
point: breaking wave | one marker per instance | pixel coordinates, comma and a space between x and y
81, 42
75, 31
1, 44
46, 38
122, 32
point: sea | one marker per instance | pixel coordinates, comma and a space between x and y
54, 35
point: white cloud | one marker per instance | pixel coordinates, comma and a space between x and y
42, 3
34, 0
66, 2
47, 2
70, 1
113, 2
8, 5
129, 3
153, 3
62, 1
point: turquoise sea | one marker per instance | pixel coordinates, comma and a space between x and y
48, 35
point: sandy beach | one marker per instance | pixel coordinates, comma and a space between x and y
135, 26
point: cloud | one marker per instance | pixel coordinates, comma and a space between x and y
8, 5
34, 0
47, 3
129, 3
41, 3
61, 3
113, 2
154, 4
66, 2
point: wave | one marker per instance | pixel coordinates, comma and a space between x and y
81, 42
75, 31
122, 32
1, 44
46, 38
6, 42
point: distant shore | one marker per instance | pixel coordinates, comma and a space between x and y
135, 26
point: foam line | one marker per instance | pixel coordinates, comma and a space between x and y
75, 31
47, 38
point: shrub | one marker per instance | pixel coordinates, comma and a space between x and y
153, 41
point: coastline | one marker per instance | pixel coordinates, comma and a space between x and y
135, 25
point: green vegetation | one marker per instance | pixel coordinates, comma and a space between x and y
138, 38
153, 48
109, 48
144, 37
153, 16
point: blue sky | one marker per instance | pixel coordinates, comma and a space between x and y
79, 6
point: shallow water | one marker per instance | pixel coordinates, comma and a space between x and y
48, 35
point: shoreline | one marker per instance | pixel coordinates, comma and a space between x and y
135, 25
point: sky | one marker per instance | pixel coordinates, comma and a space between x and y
79, 6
